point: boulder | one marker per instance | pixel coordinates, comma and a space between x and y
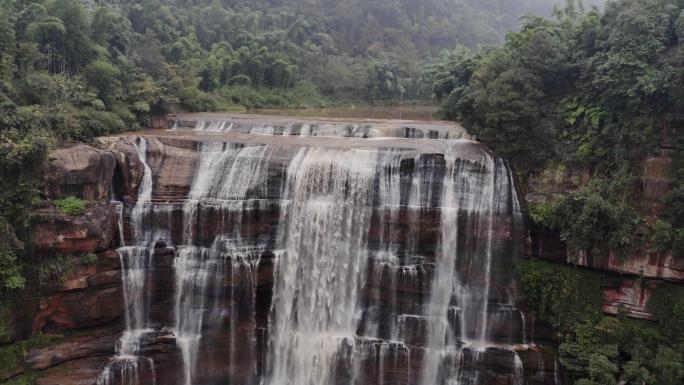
173, 166
81, 171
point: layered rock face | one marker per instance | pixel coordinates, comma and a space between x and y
80, 292
641, 269
278, 257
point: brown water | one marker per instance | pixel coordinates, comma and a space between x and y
466, 149
289, 124
422, 113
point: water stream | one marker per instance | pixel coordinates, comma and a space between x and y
136, 265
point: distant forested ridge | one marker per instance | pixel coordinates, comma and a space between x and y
206, 54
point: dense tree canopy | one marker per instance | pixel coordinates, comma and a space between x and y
594, 90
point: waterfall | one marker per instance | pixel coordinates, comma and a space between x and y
444, 282
385, 264
136, 263
387, 355
200, 273
556, 376
541, 364
524, 326
144, 193
288, 128
322, 264
518, 376
474, 194
344, 263
228, 175
119, 208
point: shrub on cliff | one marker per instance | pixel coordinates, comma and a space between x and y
560, 295
597, 218
22, 161
13, 355
11, 277
52, 272
70, 206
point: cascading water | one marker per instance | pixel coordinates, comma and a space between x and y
119, 208
136, 263
135, 267
273, 126
322, 264
556, 376
227, 177
518, 375
390, 264
462, 277
297, 129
